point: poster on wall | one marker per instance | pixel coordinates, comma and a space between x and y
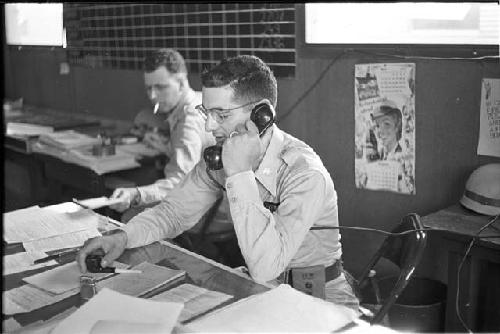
385, 127
489, 126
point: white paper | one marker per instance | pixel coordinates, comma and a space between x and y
10, 325
151, 277
138, 149
11, 234
114, 306
67, 240
196, 300
489, 130
76, 212
64, 278
36, 223
99, 202
282, 309
27, 298
382, 175
69, 139
19, 262
65, 207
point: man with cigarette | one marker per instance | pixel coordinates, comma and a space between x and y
172, 126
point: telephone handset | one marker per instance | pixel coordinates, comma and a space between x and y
263, 117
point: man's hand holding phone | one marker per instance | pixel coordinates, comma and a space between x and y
242, 151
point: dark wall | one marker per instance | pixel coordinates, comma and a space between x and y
447, 124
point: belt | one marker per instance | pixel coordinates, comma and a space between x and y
331, 272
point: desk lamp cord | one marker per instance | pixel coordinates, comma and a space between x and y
474, 238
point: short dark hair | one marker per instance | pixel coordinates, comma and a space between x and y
248, 76
171, 59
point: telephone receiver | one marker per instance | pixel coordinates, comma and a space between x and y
263, 117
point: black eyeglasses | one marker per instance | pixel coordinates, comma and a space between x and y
219, 114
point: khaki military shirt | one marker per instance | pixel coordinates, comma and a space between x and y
291, 176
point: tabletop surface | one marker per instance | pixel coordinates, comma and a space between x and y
200, 271
460, 221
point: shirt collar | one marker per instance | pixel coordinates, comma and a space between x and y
267, 171
174, 116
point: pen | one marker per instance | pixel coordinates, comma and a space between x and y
46, 259
80, 204
126, 271
56, 255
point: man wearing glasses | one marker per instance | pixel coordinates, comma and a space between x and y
276, 186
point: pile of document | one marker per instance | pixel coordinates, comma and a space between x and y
280, 310
74, 147
26, 129
69, 139
42, 229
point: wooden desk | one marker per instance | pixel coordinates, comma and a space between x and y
200, 271
479, 300
67, 180
34, 178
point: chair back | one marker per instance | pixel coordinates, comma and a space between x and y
405, 251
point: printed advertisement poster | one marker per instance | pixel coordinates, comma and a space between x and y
489, 127
385, 127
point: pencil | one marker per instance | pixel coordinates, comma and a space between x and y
80, 204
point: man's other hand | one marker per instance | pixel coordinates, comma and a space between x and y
156, 140
127, 197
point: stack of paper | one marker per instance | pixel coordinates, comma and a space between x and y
282, 309
102, 164
138, 150
112, 312
97, 202
196, 300
83, 156
75, 147
26, 129
46, 230
19, 262
35, 223
68, 139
